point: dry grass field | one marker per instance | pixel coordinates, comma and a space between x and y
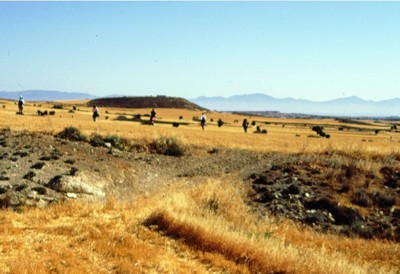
188, 227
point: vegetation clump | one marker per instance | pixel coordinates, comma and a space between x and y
168, 145
72, 134
320, 131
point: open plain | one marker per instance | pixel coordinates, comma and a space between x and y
120, 196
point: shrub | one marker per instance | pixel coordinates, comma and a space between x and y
175, 124
253, 123
220, 122
195, 119
72, 134
383, 200
97, 140
180, 117
361, 198
122, 118
168, 145
58, 106
117, 142
319, 130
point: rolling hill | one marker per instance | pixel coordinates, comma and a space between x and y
145, 102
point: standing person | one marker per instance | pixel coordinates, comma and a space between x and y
203, 120
245, 125
96, 112
152, 116
21, 104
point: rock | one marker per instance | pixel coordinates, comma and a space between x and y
316, 217
341, 214
108, 145
84, 183
71, 195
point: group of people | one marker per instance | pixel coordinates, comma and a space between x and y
96, 115
203, 120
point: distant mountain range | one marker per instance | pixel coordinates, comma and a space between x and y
348, 106
257, 102
45, 95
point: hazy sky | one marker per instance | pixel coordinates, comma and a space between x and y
309, 50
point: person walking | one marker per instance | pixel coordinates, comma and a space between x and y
245, 125
152, 117
21, 104
96, 112
203, 120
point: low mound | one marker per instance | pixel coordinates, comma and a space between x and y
145, 102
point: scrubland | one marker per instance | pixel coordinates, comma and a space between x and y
186, 227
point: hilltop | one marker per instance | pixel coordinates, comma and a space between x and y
145, 102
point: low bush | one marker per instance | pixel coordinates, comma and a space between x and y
97, 140
168, 145
72, 134
361, 198
117, 142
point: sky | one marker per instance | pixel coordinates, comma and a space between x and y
304, 50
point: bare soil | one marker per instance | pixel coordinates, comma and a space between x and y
38, 169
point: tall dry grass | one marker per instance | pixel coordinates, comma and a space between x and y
186, 228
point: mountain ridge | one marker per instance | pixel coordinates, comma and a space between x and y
345, 106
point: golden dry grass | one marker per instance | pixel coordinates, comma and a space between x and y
186, 228
205, 228
293, 137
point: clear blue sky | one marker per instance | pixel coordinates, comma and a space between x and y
309, 50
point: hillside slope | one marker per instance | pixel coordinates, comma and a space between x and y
145, 102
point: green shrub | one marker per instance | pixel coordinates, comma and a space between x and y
117, 142
168, 145
72, 134
97, 140
220, 123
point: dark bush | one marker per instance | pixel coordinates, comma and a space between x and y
29, 175
70, 161
38, 165
20, 187
253, 123
361, 198
320, 131
167, 145
58, 106
73, 171
175, 124
220, 122
383, 200
72, 134
97, 140
122, 118
40, 190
